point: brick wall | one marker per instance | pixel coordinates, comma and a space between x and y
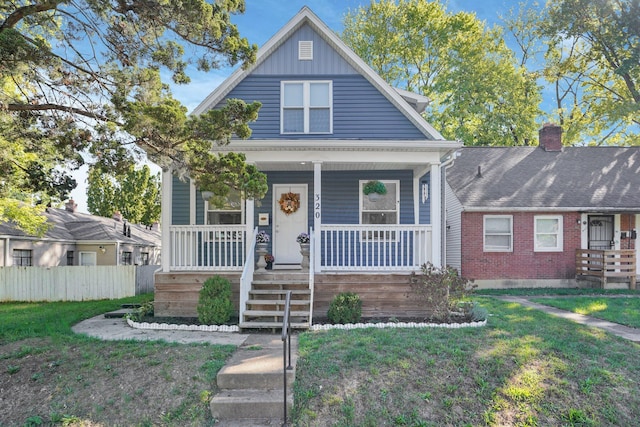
523, 262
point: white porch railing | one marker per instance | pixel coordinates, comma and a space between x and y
207, 247
374, 247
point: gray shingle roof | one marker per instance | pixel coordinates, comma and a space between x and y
78, 227
589, 178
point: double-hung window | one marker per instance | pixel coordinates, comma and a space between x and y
227, 211
498, 233
306, 107
381, 210
547, 233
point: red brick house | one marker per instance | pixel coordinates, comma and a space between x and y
531, 216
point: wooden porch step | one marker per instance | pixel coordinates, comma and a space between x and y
274, 313
259, 282
271, 325
277, 302
280, 291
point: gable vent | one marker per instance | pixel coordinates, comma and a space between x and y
305, 50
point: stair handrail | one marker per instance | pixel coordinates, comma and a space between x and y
247, 274
286, 344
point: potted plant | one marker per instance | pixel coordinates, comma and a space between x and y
374, 189
269, 259
262, 239
304, 240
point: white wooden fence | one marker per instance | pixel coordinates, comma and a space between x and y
73, 283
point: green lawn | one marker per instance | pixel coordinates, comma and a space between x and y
625, 311
524, 368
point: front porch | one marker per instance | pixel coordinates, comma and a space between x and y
606, 265
374, 261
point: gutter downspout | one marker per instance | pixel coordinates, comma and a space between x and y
443, 167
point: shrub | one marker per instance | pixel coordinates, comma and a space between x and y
441, 289
345, 308
478, 313
145, 310
214, 305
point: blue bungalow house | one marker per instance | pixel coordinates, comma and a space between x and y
328, 126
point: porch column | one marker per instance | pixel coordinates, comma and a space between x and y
249, 217
436, 215
167, 193
317, 213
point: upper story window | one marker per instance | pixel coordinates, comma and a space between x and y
22, 257
548, 233
306, 107
498, 233
227, 211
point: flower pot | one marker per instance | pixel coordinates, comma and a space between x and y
304, 251
269, 266
373, 197
261, 249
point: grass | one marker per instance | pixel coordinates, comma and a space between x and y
556, 291
625, 311
55, 377
524, 368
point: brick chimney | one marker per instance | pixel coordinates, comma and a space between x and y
550, 137
71, 206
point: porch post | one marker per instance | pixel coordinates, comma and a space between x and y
436, 215
249, 217
317, 213
167, 193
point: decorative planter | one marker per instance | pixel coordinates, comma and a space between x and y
304, 250
261, 250
373, 197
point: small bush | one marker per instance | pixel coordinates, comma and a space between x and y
214, 305
478, 313
442, 290
145, 310
345, 308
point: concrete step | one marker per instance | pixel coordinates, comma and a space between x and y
117, 314
247, 404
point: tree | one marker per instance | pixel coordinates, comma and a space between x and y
591, 57
478, 93
84, 77
600, 43
135, 194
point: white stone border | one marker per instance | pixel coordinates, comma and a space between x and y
172, 327
236, 328
399, 325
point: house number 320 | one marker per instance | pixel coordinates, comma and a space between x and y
316, 206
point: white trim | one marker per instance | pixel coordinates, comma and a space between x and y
166, 219
484, 234
317, 211
559, 234
306, 16
436, 214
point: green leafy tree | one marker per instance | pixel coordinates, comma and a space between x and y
84, 77
589, 54
478, 93
135, 194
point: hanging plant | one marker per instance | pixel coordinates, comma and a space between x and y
289, 202
376, 187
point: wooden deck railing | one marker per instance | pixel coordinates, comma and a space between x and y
607, 264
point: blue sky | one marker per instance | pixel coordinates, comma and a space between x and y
263, 18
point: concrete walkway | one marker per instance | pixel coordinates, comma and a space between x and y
626, 332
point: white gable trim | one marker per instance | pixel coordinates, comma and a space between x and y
307, 16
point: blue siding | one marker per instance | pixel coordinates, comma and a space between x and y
285, 59
360, 111
180, 202
199, 208
425, 208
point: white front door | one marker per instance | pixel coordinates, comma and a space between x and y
289, 220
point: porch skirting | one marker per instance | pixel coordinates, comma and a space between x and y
383, 295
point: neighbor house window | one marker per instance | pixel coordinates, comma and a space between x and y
70, 257
126, 258
548, 233
225, 212
144, 258
498, 233
306, 107
22, 258
87, 258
